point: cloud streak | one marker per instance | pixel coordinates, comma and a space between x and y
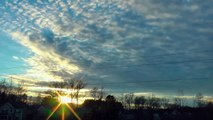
112, 41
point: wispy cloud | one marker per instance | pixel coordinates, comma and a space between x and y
45, 61
112, 38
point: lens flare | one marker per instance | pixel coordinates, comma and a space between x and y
62, 117
64, 100
76, 115
54, 111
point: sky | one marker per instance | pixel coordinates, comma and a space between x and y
139, 46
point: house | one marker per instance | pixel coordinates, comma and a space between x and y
9, 112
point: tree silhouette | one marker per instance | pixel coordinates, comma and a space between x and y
110, 98
71, 85
101, 93
164, 103
199, 100
39, 98
179, 100
102, 110
153, 102
129, 99
3, 86
79, 85
139, 102
97, 93
94, 92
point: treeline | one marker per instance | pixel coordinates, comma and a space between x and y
17, 93
130, 101
103, 106
70, 87
108, 109
12, 94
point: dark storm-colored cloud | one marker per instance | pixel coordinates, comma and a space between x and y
123, 41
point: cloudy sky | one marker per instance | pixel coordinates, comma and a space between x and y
158, 46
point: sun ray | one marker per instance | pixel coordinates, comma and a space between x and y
62, 103
58, 93
73, 111
62, 118
54, 111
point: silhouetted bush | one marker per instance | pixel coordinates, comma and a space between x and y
102, 110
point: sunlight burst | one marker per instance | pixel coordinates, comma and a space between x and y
65, 99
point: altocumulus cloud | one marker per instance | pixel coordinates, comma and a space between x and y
141, 45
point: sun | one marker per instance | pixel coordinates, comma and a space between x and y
65, 99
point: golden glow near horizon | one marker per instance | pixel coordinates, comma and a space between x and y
44, 62
63, 100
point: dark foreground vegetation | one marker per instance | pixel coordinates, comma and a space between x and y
107, 109
129, 107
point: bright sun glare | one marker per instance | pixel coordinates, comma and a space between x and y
65, 99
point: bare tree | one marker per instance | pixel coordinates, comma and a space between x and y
24, 97
94, 92
199, 100
101, 93
30, 100
164, 102
97, 93
73, 85
11, 88
3, 85
20, 90
179, 100
79, 85
120, 98
51, 93
59, 86
39, 98
70, 85
129, 99
153, 102
139, 102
